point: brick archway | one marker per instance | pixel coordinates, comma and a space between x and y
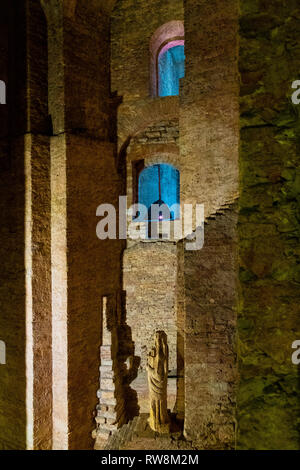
133, 120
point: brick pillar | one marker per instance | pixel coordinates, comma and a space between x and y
83, 175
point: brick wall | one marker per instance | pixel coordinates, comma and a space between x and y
210, 280
150, 293
150, 274
209, 112
25, 325
161, 132
133, 24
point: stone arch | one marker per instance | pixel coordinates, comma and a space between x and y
172, 31
132, 121
162, 154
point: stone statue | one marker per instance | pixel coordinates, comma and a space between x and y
157, 366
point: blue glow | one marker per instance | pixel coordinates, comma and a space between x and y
171, 67
160, 182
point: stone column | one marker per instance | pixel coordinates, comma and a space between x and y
111, 410
83, 175
25, 324
209, 149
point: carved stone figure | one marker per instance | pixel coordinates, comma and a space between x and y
157, 366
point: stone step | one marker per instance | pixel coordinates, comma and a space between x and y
141, 424
127, 433
123, 432
112, 442
132, 429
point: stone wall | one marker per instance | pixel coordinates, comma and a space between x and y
12, 302
94, 268
147, 308
83, 176
132, 26
153, 127
160, 132
209, 93
209, 138
26, 402
209, 112
268, 397
12, 273
207, 157
210, 282
150, 274
57, 290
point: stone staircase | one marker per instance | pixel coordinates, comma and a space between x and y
137, 435
127, 433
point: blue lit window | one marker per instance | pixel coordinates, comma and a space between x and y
160, 185
171, 67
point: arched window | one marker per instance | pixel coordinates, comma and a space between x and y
171, 68
167, 59
159, 185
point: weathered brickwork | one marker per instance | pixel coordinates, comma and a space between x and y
209, 132
12, 304
268, 396
150, 273
133, 24
208, 144
151, 128
157, 144
53, 276
205, 150
210, 280
25, 323
161, 132
83, 267
132, 27
81, 112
